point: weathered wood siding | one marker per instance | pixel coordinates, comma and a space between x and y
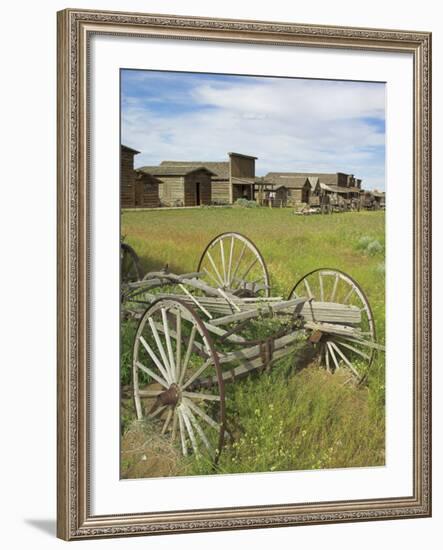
299, 195
146, 191
342, 179
242, 167
172, 190
127, 178
281, 196
220, 192
197, 188
182, 190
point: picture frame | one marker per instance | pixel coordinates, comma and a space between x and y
76, 211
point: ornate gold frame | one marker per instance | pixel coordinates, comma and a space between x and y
75, 28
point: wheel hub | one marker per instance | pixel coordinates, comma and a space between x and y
171, 396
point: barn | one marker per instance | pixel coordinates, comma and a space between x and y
182, 185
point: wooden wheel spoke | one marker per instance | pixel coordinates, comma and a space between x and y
189, 429
198, 428
220, 279
354, 349
150, 393
326, 352
238, 262
152, 374
160, 348
231, 253
345, 359
195, 408
334, 288
245, 274
156, 360
203, 396
188, 354
348, 295
182, 432
308, 288
320, 280
174, 426
222, 254
209, 274
334, 358
158, 411
178, 339
197, 373
167, 421
171, 362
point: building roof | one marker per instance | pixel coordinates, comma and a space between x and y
288, 180
339, 189
141, 174
242, 155
174, 170
328, 178
313, 180
219, 169
129, 149
243, 181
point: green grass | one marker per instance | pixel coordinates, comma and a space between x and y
285, 419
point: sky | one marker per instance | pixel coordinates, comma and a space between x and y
290, 124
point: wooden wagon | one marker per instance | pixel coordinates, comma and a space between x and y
198, 331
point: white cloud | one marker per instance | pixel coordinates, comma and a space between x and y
288, 124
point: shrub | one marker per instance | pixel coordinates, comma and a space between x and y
363, 242
380, 268
370, 246
374, 248
244, 203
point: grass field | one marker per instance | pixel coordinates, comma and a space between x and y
289, 418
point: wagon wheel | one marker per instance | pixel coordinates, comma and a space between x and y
353, 351
129, 264
172, 351
232, 262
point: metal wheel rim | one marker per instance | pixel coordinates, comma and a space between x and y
222, 280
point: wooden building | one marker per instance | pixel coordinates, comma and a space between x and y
231, 179
137, 190
290, 189
338, 183
181, 185
127, 176
146, 190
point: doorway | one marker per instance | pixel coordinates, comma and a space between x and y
197, 193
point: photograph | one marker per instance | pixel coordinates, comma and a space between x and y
252, 273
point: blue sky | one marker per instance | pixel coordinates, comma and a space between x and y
289, 124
